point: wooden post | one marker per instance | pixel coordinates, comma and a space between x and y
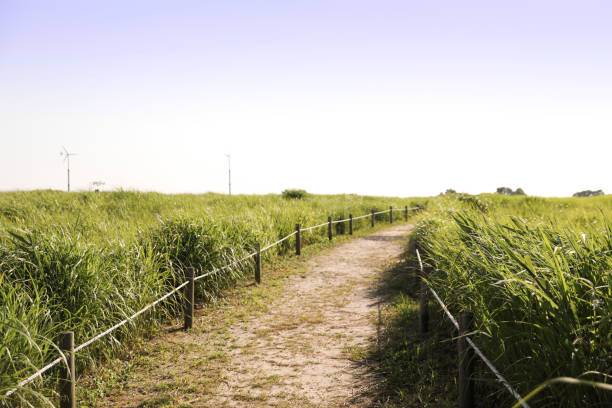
423, 305
67, 377
329, 228
189, 298
298, 242
258, 263
466, 361
406, 213
390, 214
372, 218
350, 224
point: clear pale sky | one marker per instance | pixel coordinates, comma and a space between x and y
371, 97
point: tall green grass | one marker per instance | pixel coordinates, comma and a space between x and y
85, 261
537, 273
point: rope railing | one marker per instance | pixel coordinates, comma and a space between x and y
381, 212
82, 346
363, 216
278, 242
314, 227
93, 339
493, 369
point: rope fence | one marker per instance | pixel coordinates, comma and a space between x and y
467, 339
68, 355
279, 241
314, 227
93, 339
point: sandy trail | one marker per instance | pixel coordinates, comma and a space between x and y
298, 353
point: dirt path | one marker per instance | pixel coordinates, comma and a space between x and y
295, 348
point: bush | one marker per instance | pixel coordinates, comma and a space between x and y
295, 194
508, 191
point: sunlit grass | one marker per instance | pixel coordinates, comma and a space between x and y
85, 261
537, 273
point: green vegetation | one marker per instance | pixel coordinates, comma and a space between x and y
294, 194
418, 371
537, 273
85, 261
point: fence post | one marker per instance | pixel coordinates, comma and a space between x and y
189, 298
258, 263
350, 224
298, 241
67, 377
329, 228
372, 218
390, 214
406, 213
423, 305
466, 361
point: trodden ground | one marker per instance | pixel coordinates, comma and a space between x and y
290, 342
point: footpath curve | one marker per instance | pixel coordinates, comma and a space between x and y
292, 344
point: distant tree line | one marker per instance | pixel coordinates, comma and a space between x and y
509, 191
519, 191
589, 193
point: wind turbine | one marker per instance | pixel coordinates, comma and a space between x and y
66, 155
229, 172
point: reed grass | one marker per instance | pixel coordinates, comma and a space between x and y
537, 273
85, 261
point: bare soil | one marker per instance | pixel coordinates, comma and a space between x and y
298, 345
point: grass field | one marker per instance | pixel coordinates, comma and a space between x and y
537, 273
85, 261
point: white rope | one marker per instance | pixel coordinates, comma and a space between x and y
33, 376
129, 319
99, 336
357, 218
225, 267
279, 241
313, 227
505, 382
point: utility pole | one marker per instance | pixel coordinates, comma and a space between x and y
229, 173
66, 156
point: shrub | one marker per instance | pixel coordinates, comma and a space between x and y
508, 191
295, 194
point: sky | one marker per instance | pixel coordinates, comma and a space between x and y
401, 98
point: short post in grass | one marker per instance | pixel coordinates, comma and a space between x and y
258, 263
67, 392
298, 243
424, 304
189, 300
329, 228
390, 214
466, 361
350, 224
372, 218
405, 213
